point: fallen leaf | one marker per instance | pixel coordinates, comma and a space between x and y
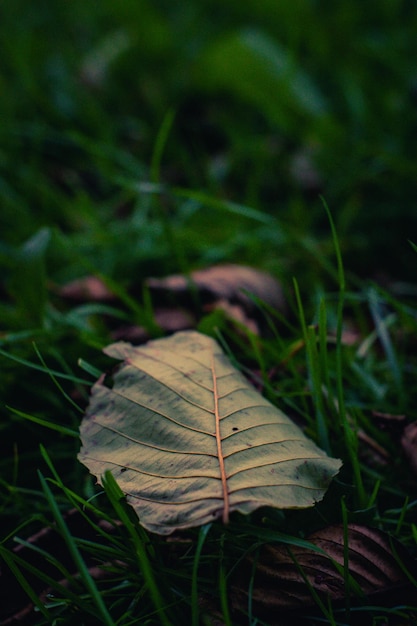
88, 288
189, 440
392, 424
304, 172
286, 577
225, 287
231, 282
234, 312
170, 320
409, 444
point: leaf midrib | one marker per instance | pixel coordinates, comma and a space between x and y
223, 477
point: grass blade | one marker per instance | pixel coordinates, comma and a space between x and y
78, 560
350, 435
10, 560
224, 599
116, 497
204, 530
64, 430
43, 369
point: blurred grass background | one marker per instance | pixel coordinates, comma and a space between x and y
273, 104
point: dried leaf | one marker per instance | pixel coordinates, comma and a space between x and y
169, 320
236, 313
409, 444
303, 170
189, 440
286, 577
224, 282
88, 288
392, 424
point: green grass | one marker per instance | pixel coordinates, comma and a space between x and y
144, 139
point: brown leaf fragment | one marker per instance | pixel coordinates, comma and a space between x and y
179, 301
86, 289
390, 423
287, 577
409, 444
304, 172
236, 313
169, 319
223, 282
374, 453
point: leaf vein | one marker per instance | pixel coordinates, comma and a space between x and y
275, 462
151, 445
269, 443
165, 415
171, 366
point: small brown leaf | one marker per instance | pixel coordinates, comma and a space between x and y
236, 313
409, 444
169, 319
392, 424
88, 288
224, 282
286, 576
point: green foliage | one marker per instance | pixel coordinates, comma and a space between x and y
142, 139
